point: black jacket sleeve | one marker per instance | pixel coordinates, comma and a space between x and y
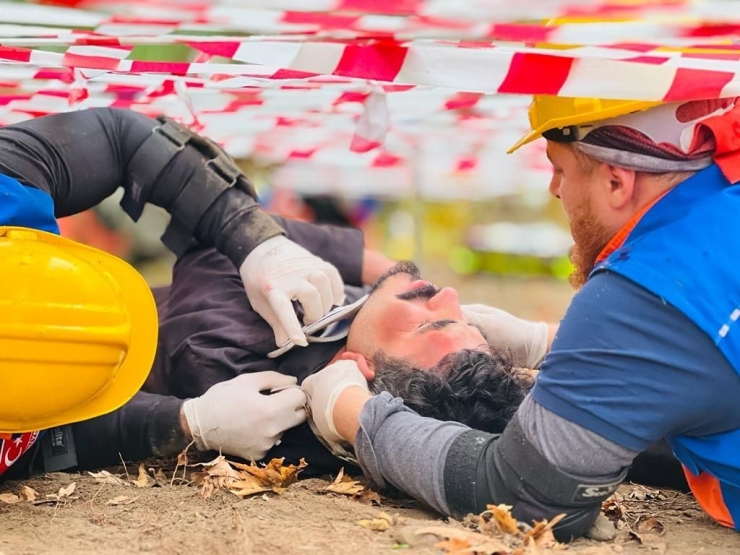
208, 333
80, 158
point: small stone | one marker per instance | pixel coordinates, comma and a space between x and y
602, 530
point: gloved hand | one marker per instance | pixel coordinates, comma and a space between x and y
234, 417
527, 341
323, 390
279, 271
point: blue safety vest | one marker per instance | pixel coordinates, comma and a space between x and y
686, 250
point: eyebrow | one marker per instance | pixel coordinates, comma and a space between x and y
438, 325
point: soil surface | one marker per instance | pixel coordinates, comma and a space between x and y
176, 519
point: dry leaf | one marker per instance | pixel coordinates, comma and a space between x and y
541, 532
368, 497
503, 519
122, 500
454, 546
67, 490
105, 477
9, 498
160, 478
345, 485
380, 524
143, 480
29, 494
376, 524
649, 526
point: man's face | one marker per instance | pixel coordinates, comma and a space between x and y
410, 319
577, 186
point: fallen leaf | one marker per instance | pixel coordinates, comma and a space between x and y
369, 497
29, 494
105, 477
454, 546
541, 533
503, 519
650, 526
122, 500
143, 480
9, 498
66, 491
376, 524
344, 485
160, 478
476, 542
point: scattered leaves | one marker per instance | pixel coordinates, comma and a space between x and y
345, 485
244, 480
62, 496
496, 532
105, 477
9, 498
122, 500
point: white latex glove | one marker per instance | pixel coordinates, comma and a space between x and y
235, 418
279, 271
323, 390
527, 341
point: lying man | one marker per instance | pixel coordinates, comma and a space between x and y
407, 337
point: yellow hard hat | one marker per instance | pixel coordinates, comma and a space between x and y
78, 331
553, 112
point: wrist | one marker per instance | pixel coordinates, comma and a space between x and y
184, 426
347, 409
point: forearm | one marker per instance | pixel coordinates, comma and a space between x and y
147, 426
80, 158
458, 471
397, 446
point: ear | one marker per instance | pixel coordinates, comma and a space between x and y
365, 366
620, 187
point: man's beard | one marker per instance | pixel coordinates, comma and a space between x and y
590, 238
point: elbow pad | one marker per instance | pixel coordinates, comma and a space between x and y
508, 469
151, 177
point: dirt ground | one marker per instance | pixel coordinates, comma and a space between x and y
173, 518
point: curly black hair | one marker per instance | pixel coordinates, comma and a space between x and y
479, 389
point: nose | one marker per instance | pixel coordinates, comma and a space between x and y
555, 185
446, 304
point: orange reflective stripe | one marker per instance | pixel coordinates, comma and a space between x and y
708, 493
621, 236
5, 436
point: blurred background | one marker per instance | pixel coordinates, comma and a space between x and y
439, 190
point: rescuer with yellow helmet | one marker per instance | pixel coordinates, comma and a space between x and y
79, 327
649, 349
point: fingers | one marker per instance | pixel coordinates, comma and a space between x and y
310, 300
337, 285
286, 317
291, 404
268, 380
323, 285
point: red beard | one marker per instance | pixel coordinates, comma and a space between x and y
590, 238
